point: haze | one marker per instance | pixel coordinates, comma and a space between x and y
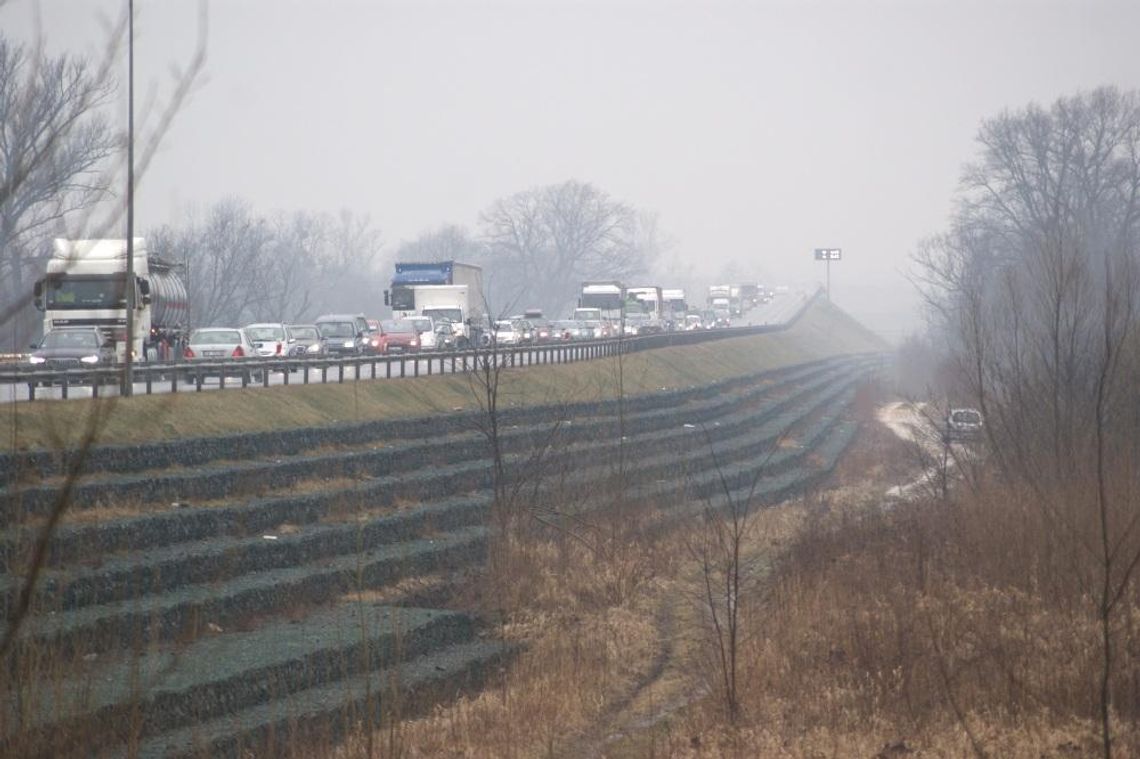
755, 131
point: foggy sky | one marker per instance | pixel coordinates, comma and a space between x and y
757, 131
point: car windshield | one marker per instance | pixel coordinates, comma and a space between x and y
265, 333
84, 339
504, 326
304, 333
451, 314
337, 329
421, 324
216, 337
400, 326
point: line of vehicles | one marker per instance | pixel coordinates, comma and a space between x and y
84, 297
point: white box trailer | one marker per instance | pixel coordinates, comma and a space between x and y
442, 290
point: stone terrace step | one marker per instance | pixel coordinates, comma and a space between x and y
164, 690
327, 713
215, 559
73, 541
137, 622
165, 616
381, 457
195, 452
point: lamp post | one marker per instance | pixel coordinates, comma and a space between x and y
127, 386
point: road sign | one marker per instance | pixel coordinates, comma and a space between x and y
828, 255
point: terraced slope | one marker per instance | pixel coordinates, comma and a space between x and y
255, 593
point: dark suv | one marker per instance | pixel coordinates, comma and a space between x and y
343, 334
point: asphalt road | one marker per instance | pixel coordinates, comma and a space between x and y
782, 308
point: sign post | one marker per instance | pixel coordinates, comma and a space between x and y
828, 255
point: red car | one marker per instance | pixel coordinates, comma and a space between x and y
398, 336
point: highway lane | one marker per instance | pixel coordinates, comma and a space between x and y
779, 311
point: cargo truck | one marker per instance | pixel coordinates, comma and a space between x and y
608, 298
86, 286
720, 297
648, 300
443, 290
675, 305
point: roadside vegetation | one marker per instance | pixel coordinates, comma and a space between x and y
995, 617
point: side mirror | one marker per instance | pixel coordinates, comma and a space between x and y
33, 346
109, 342
360, 333
386, 299
144, 290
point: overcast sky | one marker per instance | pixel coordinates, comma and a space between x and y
757, 131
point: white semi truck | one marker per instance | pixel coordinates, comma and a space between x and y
86, 285
607, 297
649, 298
675, 305
442, 290
720, 298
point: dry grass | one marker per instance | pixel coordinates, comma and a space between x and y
933, 629
928, 630
436, 583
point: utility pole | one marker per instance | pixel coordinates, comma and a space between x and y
828, 255
127, 386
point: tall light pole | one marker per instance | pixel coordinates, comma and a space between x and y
128, 365
829, 255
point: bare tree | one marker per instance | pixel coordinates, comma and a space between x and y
53, 142
65, 134
351, 268
244, 266
546, 240
449, 242
1036, 288
227, 252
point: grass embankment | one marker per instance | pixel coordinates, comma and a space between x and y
822, 331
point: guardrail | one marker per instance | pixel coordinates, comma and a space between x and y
188, 376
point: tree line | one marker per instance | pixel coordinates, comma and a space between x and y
60, 158
1034, 292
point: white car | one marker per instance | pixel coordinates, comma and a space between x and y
507, 333
269, 340
220, 345
426, 329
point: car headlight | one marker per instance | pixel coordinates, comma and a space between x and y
314, 348
36, 359
90, 359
